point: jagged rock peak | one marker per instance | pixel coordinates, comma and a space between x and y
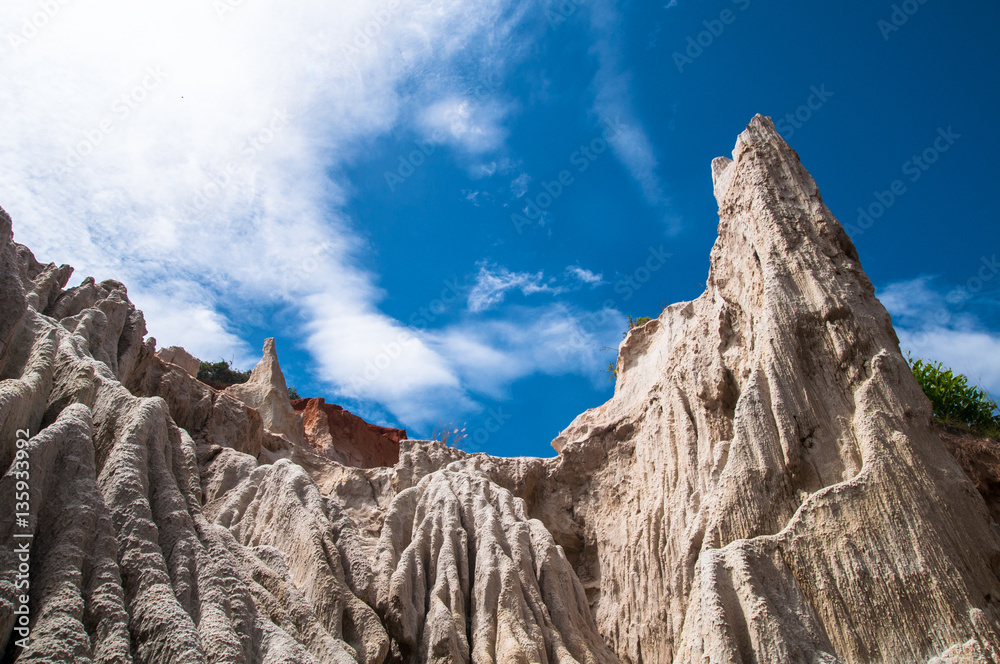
769, 487
185, 360
267, 392
764, 486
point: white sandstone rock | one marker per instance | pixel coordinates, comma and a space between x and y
185, 360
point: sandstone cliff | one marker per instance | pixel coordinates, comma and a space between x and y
764, 486
346, 438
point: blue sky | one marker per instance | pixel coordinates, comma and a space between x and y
444, 211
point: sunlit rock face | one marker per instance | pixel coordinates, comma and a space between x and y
764, 486
344, 437
765, 483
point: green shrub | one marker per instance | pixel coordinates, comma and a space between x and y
955, 401
293, 394
222, 372
634, 323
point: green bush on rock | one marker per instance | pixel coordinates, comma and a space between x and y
955, 401
222, 372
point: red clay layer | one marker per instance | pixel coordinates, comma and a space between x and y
344, 437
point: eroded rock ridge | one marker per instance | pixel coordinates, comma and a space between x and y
765, 485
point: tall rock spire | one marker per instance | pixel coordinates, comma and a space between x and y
266, 391
769, 486
764, 486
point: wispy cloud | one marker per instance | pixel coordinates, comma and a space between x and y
494, 281
189, 322
943, 324
212, 186
476, 358
555, 339
613, 102
585, 276
519, 185
473, 126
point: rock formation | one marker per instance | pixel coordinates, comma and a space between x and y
180, 357
980, 459
346, 438
766, 485
266, 392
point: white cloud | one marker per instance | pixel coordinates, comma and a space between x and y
613, 104
190, 155
519, 185
469, 360
371, 357
476, 197
195, 158
555, 339
973, 353
191, 324
585, 276
475, 127
493, 282
915, 297
941, 327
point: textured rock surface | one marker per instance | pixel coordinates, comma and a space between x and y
174, 522
267, 393
346, 438
980, 459
764, 486
464, 575
180, 357
125, 565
